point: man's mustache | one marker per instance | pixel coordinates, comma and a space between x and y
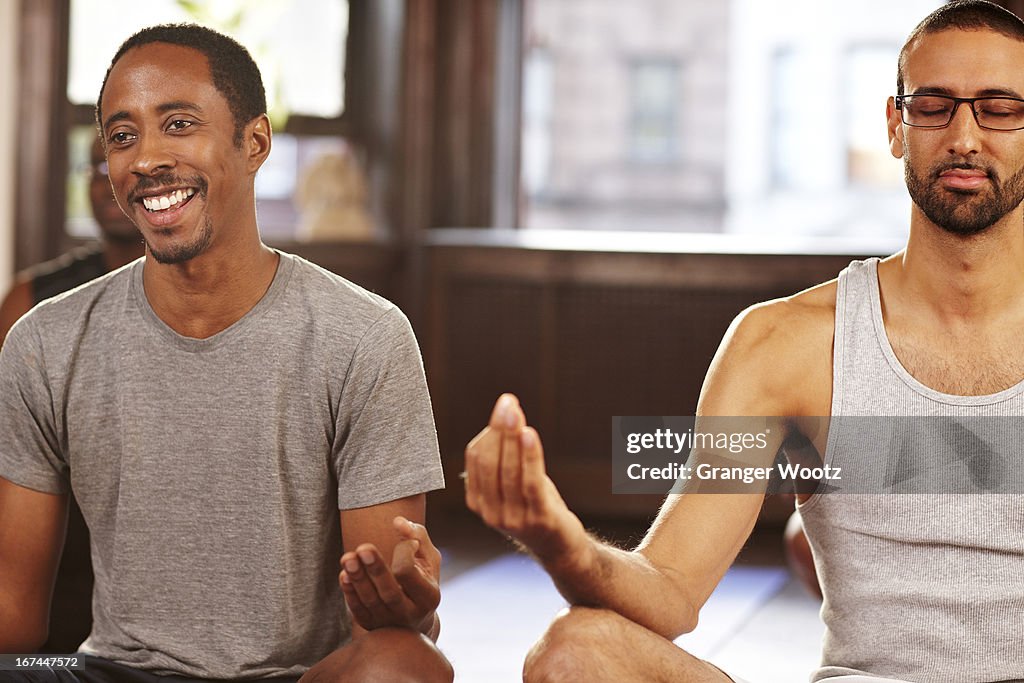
167, 180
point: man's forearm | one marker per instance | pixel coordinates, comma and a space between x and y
599, 575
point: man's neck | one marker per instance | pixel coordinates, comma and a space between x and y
211, 292
969, 280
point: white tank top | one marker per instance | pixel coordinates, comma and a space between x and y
922, 587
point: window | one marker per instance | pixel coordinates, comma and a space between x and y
821, 166
624, 115
870, 80
654, 97
786, 111
736, 117
538, 99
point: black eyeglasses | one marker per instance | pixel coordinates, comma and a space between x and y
936, 111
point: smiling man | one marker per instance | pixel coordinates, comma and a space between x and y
916, 587
233, 420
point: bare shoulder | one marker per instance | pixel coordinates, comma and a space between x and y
776, 358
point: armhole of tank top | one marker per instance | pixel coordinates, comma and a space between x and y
838, 359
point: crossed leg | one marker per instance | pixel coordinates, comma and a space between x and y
586, 644
384, 655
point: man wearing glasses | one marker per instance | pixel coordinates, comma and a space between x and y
916, 587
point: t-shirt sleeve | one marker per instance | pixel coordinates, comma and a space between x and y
29, 447
385, 444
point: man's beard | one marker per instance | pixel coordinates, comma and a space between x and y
963, 212
180, 253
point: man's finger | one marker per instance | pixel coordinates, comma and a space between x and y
507, 415
482, 454
388, 591
360, 613
421, 589
426, 548
483, 472
364, 586
403, 559
511, 481
411, 530
533, 470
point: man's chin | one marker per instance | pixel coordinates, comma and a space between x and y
171, 257
963, 226
170, 254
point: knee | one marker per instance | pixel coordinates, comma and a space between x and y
387, 655
572, 647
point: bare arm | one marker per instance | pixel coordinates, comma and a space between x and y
661, 585
664, 582
31, 537
390, 570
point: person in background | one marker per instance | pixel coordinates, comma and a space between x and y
120, 243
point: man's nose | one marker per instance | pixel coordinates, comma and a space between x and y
963, 130
151, 156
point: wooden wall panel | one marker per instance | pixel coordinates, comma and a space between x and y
581, 337
42, 159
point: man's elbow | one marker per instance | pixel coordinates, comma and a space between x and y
683, 622
685, 611
689, 623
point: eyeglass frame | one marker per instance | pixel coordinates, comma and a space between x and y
957, 101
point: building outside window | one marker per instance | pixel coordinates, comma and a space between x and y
654, 120
739, 117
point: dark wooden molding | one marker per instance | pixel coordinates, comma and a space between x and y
412, 197
41, 163
465, 114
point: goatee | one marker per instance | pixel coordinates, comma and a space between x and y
963, 212
180, 253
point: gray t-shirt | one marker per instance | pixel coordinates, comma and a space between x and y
211, 471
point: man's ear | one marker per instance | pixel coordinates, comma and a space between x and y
894, 123
256, 141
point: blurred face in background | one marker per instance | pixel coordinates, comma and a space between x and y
114, 225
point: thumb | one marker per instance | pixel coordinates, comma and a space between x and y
403, 559
410, 530
417, 584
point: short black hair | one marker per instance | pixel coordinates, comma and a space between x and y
232, 69
962, 15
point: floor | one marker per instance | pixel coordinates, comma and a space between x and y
759, 624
